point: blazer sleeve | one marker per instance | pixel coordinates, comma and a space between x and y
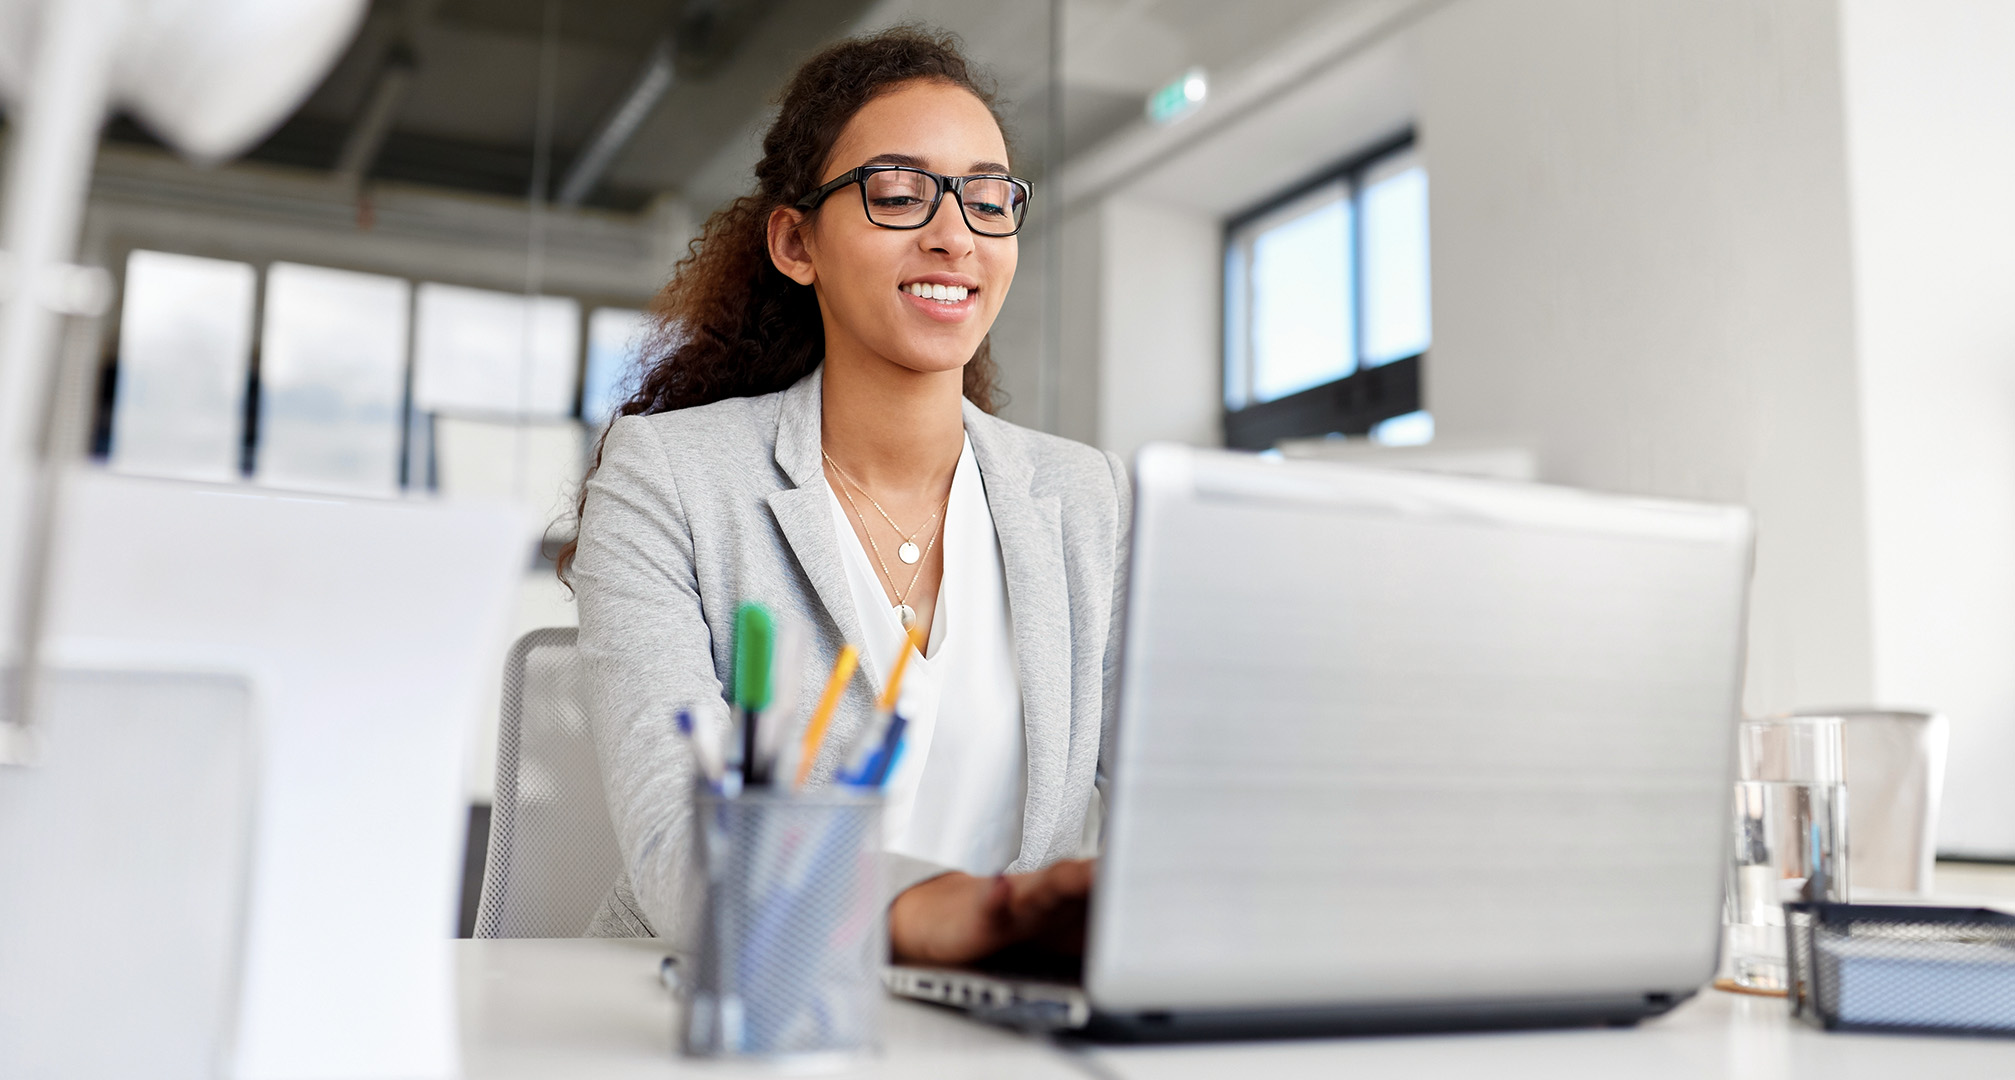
649, 652
1093, 840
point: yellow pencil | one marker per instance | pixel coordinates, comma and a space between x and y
888, 702
815, 731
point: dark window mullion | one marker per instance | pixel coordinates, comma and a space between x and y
1356, 203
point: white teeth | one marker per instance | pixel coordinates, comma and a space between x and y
948, 293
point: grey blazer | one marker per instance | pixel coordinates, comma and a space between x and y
694, 511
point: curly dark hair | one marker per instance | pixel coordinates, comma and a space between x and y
729, 323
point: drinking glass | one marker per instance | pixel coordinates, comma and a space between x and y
1790, 838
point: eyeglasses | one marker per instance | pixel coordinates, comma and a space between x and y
900, 197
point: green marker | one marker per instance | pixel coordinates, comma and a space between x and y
755, 640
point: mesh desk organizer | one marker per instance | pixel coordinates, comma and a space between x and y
1871, 967
793, 937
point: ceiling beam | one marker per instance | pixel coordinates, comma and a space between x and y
388, 92
619, 127
367, 135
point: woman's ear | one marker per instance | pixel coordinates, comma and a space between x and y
788, 249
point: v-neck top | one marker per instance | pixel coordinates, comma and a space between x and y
956, 796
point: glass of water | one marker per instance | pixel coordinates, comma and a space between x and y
1790, 838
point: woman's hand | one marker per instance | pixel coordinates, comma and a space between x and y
958, 918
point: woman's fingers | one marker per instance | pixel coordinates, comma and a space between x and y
945, 920
957, 918
1044, 890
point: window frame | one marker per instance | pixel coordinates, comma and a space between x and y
1353, 404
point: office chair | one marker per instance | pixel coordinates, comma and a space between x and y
553, 851
1895, 777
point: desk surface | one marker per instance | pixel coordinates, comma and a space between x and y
589, 1009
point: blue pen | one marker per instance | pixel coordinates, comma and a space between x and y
872, 768
895, 759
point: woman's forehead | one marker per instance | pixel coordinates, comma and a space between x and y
936, 126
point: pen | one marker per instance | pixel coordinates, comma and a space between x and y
895, 757
755, 635
815, 731
876, 737
914, 638
704, 754
786, 673
875, 769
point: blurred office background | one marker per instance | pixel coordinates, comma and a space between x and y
1752, 252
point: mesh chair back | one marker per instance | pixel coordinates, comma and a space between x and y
553, 853
1895, 777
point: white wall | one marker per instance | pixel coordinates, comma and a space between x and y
1640, 255
1930, 91
1081, 370
1158, 345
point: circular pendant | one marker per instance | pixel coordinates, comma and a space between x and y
907, 614
909, 553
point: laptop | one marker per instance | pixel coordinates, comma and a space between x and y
1400, 751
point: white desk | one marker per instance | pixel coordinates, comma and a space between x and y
587, 1010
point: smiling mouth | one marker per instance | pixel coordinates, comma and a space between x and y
944, 294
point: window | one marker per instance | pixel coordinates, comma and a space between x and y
332, 380
1326, 305
497, 353
615, 338
185, 348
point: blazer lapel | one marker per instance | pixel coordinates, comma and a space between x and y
1030, 531
806, 520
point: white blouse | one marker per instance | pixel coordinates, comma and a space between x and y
955, 798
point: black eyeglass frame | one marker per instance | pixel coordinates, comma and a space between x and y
954, 184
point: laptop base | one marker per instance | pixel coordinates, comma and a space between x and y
1301, 1023
1060, 1005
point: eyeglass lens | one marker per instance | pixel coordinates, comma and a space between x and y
903, 199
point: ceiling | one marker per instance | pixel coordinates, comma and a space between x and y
466, 115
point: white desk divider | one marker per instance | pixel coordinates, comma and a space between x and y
123, 859
371, 630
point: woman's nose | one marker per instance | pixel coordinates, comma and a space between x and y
947, 232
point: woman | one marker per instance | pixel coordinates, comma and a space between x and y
818, 437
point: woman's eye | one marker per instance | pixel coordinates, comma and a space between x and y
987, 209
897, 202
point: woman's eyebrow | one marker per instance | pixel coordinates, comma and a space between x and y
916, 162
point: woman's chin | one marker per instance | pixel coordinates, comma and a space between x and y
933, 361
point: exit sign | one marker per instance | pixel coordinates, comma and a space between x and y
1179, 98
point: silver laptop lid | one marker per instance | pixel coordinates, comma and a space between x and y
1400, 738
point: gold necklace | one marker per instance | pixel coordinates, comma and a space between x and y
907, 551
905, 614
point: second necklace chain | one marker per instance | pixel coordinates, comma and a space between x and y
908, 551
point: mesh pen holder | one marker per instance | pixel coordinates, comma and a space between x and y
793, 936
1871, 967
